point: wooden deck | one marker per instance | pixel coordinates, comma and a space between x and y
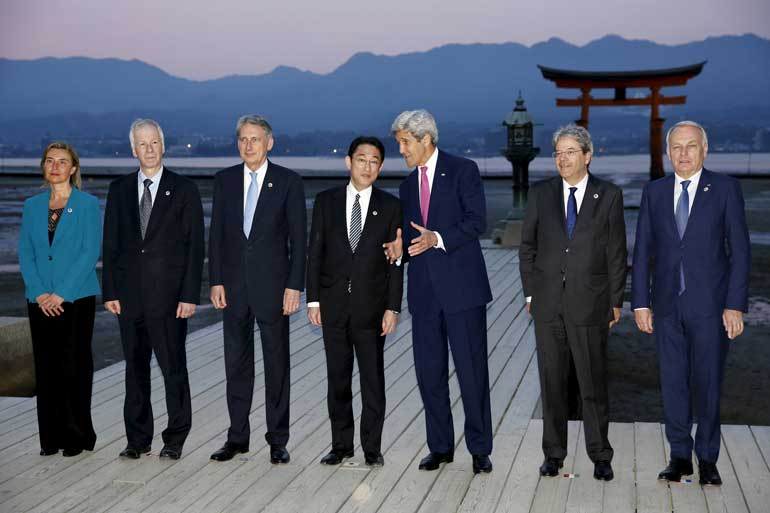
99, 481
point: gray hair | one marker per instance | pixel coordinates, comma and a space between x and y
576, 132
688, 123
253, 119
141, 123
418, 123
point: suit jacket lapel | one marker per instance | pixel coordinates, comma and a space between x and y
132, 194
558, 200
439, 188
372, 215
340, 221
587, 207
668, 205
701, 197
163, 198
70, 208
266, 193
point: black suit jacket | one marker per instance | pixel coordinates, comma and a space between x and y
257, 269
584, 276
375, 285
151, 276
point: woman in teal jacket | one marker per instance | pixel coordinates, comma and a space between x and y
58, 249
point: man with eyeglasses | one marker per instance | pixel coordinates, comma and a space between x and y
692, 226
257, 244
354, 294
572, 260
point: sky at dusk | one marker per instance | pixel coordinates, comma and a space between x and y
202, 39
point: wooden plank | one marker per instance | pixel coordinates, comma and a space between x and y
552, 492
686, 497
586, 494
652, 496
762, 437
523, 478
728, 497
620, 493
749, 465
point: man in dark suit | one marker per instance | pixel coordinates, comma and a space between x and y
357, 294
692, 226
572, 260
444, 212
257, 244
153, 256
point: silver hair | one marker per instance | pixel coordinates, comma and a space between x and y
688, 123
576, 132
141, 123
418, 123
253, 119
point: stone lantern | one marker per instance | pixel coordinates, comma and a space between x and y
520, 150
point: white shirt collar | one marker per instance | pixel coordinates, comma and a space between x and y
581, 185
431, 163
352, 191
155, 179
694, 179
261, 170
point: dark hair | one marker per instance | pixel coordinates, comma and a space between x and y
371, 141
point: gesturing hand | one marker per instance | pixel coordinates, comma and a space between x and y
395, 248
424, 242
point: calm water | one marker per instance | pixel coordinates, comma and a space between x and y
629, 172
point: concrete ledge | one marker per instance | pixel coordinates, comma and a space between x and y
17, 365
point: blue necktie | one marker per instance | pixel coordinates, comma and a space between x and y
251, 204
682, 212
571, 211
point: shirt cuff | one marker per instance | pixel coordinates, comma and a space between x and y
440, 242
529, 299
641, 308
314, 304
398, 262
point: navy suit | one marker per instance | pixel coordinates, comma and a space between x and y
447, 295
255, 271
691, 339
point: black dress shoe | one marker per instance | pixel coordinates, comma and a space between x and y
603, 471
434, 459
709, 475
48, 452
173, 453
374, 459
676, 468
550, 467
279, 454
133, 452
228, 451
481, 463
336, 457
67, 453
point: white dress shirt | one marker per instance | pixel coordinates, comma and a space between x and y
691, 189
141, 177
579, 193
261, 171
350, 199
431, 172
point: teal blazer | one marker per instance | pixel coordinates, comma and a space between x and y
68, 266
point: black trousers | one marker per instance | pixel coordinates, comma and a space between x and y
238, 325
558, 341
340, 344
64, 370
166, 336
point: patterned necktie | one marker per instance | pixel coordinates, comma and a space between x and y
355, 224
145, 206
682, 212
571, 211
252, 194
424, 194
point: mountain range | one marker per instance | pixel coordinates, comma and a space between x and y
470, 85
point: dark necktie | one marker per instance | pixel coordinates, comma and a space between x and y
145, 206
682, 213
355, 224
571, 211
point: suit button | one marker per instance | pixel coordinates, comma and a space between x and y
142, 251
50, 257
681, 246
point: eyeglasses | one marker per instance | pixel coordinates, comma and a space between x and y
362, 162
565, 153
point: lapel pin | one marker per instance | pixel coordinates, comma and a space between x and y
706, 188
443, 174
69, 210
168, 193
374, 212
596, 196
269, 184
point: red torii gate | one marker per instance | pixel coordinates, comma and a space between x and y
620, 81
